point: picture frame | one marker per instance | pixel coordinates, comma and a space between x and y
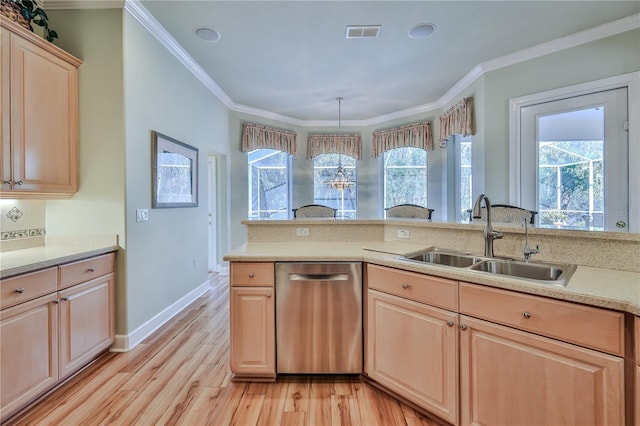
174, 173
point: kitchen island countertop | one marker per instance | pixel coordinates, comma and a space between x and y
607, 288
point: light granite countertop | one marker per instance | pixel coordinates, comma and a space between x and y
55, 251
607, 288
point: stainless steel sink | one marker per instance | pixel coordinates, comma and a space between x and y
546, 273
543, 272
445, 257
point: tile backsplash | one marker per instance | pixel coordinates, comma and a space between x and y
22, 219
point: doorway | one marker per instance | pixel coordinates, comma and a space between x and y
212, 213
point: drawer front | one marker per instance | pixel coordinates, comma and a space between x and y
85, 270
256, 274
595, 328
417, 287
637, 340
25, 287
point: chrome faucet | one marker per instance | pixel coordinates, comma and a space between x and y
528, 251
489, 233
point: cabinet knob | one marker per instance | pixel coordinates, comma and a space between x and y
91, 270
526, 315
463, 327
251, 275
56, 301
65, 298
269, 296
19, 182
450, 323
405, 286
8, 182
20, 290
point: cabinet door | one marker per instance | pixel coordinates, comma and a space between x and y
5, 162
44, 118
253, 337
511, 377
412, 350
28, 351
86, 322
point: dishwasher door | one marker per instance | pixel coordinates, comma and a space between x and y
319, 318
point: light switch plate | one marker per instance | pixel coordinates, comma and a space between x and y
142, 215
402, 233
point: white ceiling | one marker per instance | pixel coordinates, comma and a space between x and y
291, 58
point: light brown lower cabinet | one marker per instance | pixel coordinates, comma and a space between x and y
412, 350
510, 377
28, 351
253, 335
45, 338
86, 322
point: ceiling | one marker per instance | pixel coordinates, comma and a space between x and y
292, 59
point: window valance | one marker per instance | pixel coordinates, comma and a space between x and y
458, 119
256, 136
417, 135
347, 144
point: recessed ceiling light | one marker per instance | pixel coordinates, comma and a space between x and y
421, 31
207, 34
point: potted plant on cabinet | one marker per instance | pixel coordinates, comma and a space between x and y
26, 13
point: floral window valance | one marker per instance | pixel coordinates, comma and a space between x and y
347, 144
416, 135
256, 136
458, 119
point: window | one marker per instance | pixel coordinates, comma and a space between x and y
405, 177
269, 184
324, 169
573, 159
464, 178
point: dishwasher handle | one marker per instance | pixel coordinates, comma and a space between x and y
318, 277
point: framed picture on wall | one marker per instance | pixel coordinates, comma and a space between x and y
174, 173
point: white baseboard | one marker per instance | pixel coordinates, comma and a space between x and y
223, 269
126, 342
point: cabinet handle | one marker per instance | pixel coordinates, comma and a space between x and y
450, 323
269, 296
20, 290
527, 315
56, 301
19, 182
66, 298
91, 270
463, 327
405, 286
8, 182
251, 275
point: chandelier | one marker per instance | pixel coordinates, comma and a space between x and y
340, 180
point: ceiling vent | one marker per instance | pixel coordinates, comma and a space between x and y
363, 31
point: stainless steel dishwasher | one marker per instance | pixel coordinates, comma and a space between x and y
319, 317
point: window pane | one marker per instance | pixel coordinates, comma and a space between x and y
268, 184
465, 184
405, 177
570, 173
324, 169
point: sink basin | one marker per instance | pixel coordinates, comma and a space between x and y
554, 274
444, 257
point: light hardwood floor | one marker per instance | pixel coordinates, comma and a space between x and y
180, 375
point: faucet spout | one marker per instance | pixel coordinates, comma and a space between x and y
489, 233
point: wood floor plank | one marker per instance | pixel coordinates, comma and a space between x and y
180, 375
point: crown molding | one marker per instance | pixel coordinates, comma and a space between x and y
140, 13
82, 4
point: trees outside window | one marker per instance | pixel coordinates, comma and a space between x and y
405, 177
344, 201
269, 184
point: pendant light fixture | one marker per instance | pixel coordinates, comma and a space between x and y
340, 181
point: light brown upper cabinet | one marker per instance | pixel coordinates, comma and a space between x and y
39, 100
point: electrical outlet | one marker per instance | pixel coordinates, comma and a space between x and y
195, 262
142, 215
402, 233
302, 232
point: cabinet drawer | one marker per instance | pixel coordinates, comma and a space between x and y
595, 328
252, 274
420, 288
85, 270
25, 287
637, 340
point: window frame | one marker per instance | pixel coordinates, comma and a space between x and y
383, 178
289, 174
339, 211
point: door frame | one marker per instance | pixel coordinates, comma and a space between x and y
632, 82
